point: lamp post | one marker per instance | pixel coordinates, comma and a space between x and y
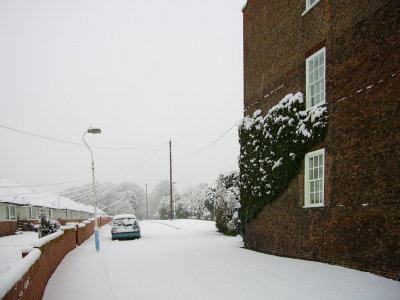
96, 228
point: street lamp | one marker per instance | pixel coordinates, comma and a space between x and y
96, 228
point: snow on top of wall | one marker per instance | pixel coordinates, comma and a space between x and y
48, 238
17, 271
73, 224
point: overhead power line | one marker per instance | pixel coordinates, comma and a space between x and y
46, 184
74, 143
219, 138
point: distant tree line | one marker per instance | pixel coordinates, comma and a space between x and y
219, 201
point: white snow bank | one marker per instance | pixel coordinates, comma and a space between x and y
75, 223
17, 271
12, 247
67, 227
47, 238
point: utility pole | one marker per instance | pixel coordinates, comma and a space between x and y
170, 181
147, 204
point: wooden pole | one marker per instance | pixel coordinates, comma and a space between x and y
170, 181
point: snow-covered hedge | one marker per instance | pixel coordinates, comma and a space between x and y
227, 203
273, 148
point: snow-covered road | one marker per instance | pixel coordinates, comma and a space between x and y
188, 259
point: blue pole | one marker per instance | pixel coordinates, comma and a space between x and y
96, 238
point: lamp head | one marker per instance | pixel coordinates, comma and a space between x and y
94, 130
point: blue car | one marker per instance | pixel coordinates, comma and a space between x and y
125, 226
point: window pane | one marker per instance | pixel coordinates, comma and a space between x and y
321, 59
311, 65
315, 59
12, 212
7, 212
312, 198
315, 161
312, 186
311, 79
317, 198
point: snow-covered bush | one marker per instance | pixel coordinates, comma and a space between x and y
164, 208
189, 204
47, 227
227, 203
272, 149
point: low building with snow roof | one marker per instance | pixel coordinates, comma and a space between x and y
18, 204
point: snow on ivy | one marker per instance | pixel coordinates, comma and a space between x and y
272, 148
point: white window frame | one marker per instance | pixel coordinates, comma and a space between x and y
309, 6
8, 213
308, 85
31, 212
307, 200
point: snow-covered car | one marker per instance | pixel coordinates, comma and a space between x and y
125, 226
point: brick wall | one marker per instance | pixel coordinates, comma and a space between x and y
83, 233
33, 283
8, 227
359, 226
63, 222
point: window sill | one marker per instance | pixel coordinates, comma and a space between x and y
314, 205
309, 8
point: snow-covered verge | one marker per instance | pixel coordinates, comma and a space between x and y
27, 276
11, 248
17, 271
189, 259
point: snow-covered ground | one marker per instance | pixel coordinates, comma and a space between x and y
10, 248
188, 259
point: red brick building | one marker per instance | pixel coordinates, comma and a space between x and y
346, 54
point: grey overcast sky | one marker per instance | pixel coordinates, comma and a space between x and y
142, 71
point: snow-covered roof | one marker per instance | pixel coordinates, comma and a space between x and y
12, 192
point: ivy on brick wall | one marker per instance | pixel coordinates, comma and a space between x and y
273, 148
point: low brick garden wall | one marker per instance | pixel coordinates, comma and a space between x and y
33, 282
8, 227
41, 260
